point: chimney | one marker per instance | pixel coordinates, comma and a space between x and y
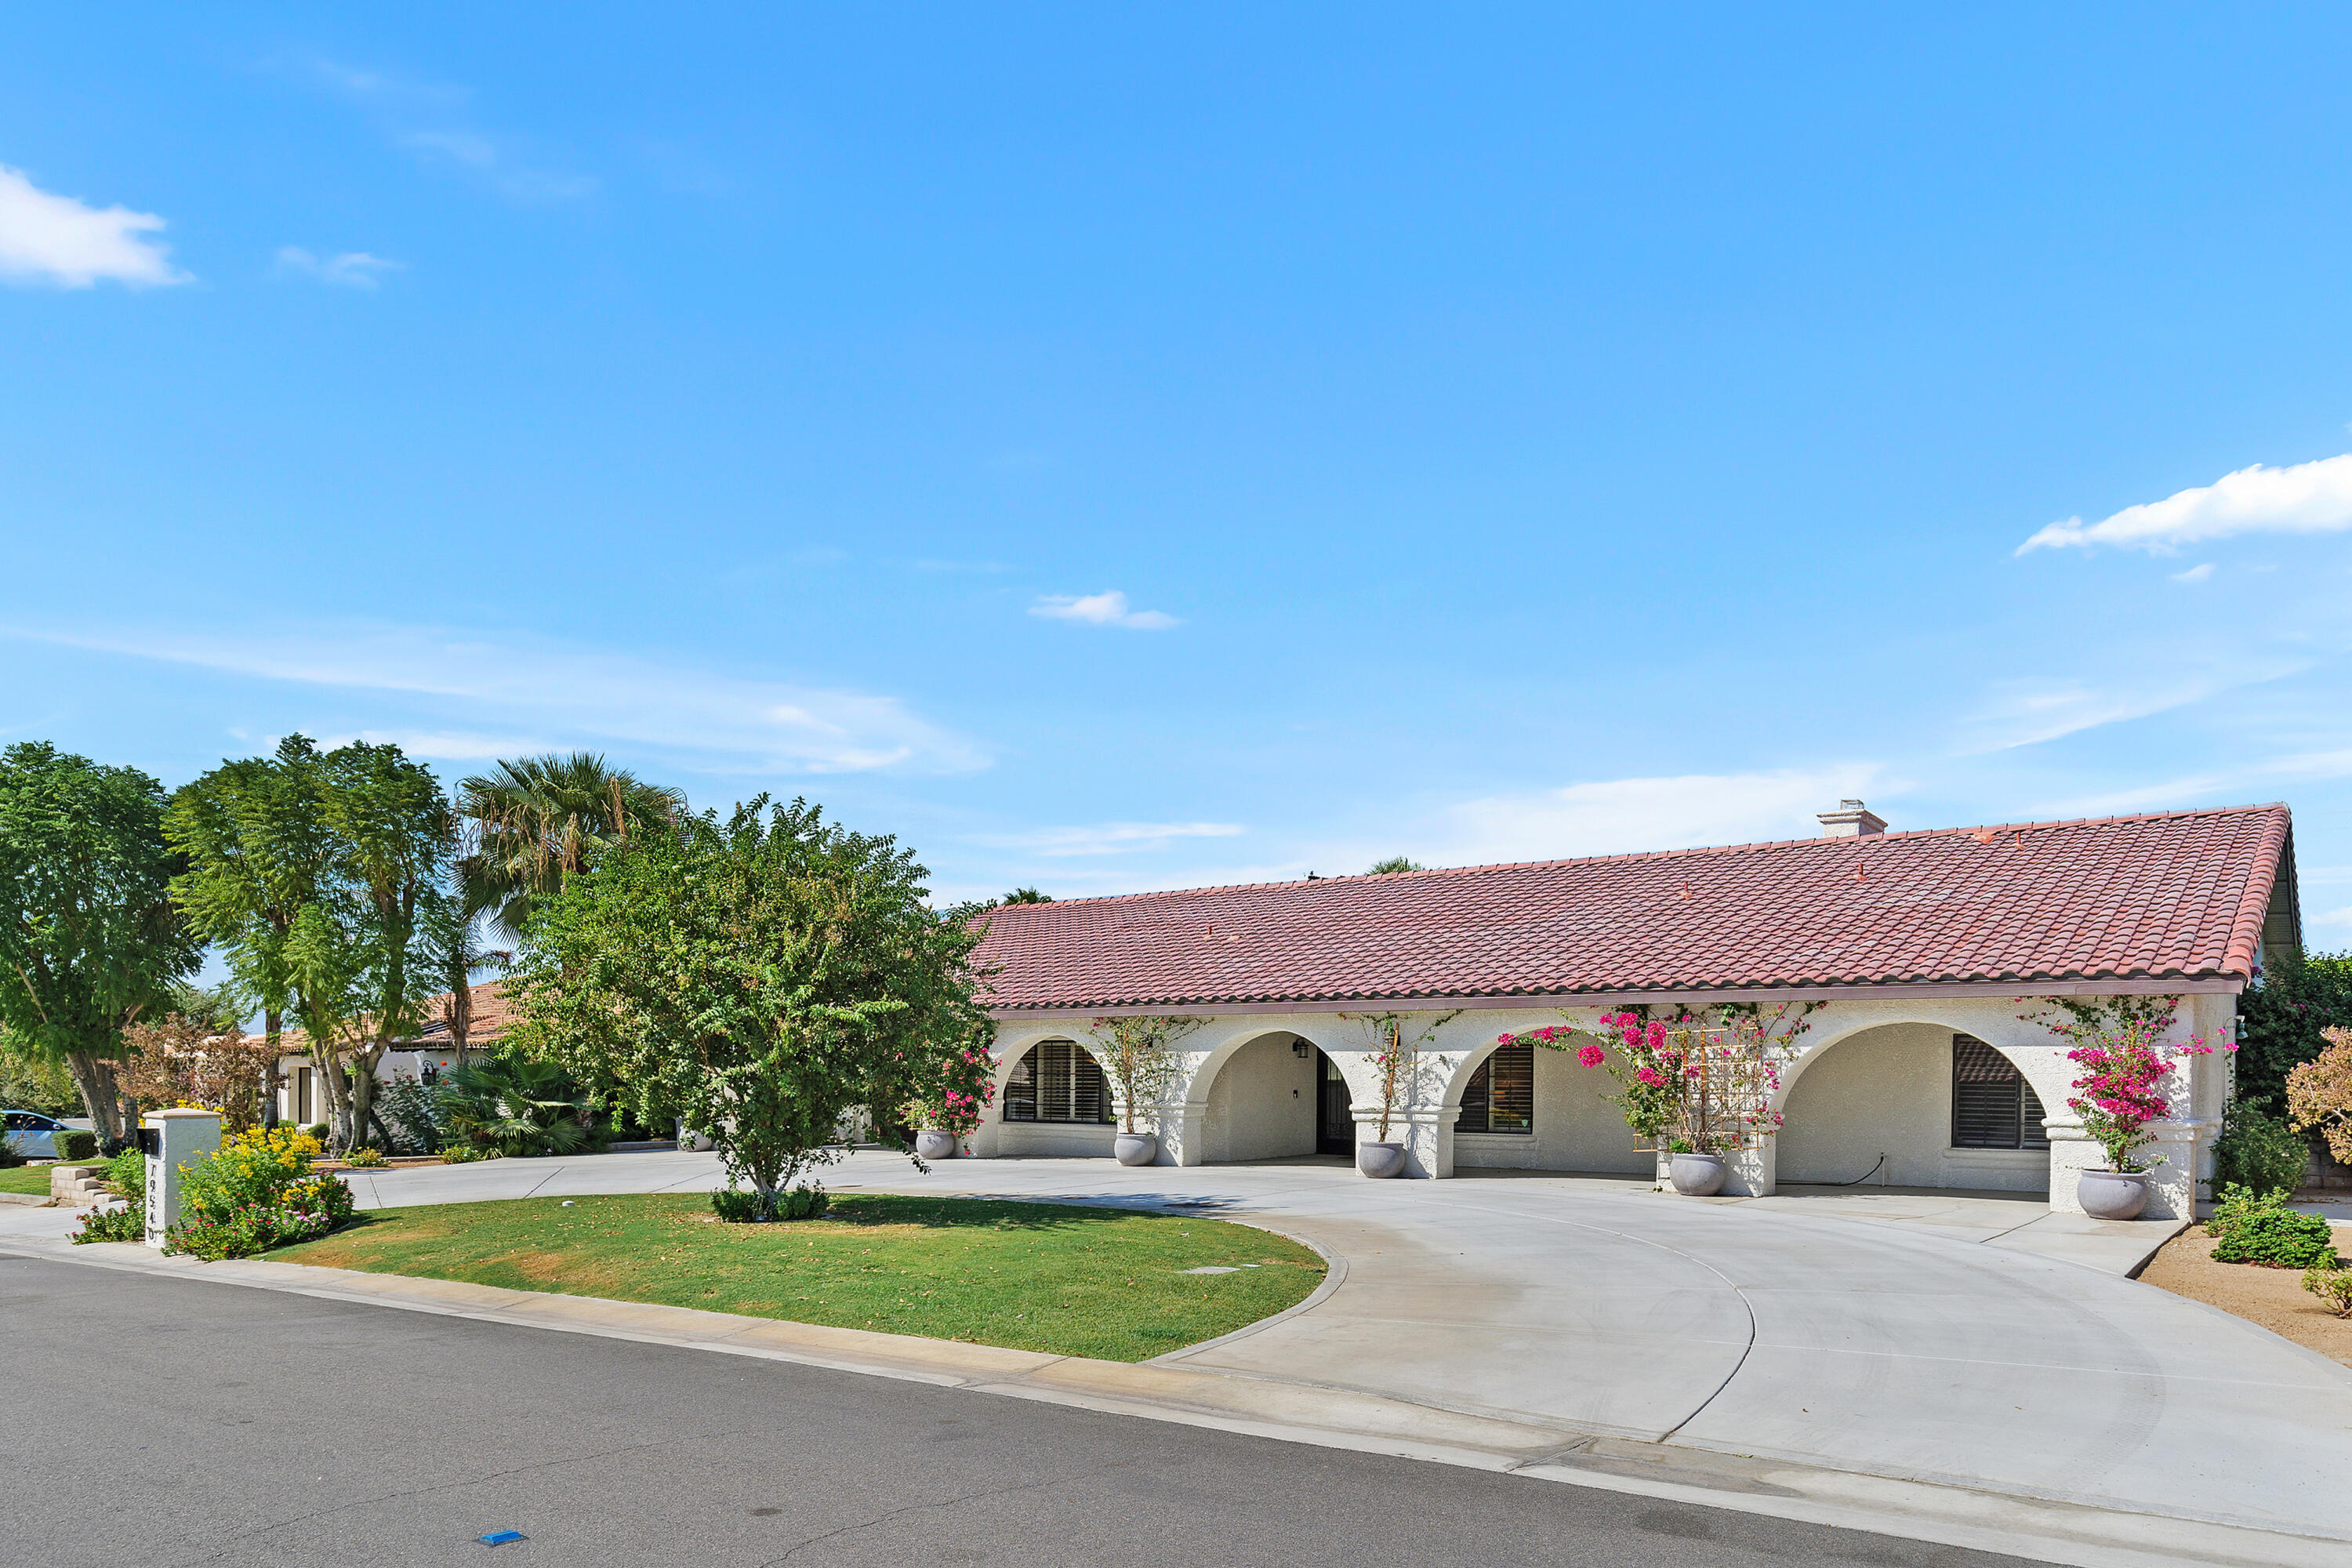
1851, 819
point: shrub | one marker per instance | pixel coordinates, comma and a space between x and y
258, 1191
412, 1112
128, 1223
2332, 1286
363, 1157
466, 1153
316, 1132
127, 1175
2258, 1227
2258, 1150
743, 1208
512, 1105
74, 1144
2319, 1094
9, 1158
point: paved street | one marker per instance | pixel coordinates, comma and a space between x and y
159, 1421
1900, 1337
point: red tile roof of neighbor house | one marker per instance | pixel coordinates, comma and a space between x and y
2179, 895
493, 1015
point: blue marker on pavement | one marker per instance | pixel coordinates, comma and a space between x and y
500, 1537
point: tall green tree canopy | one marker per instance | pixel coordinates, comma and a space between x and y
763, 977
89, 940
537, 822
325, 879
2282, 1017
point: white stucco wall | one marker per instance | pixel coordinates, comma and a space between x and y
1577, 1126
1888, 1090
1867, 1075
1261, 1106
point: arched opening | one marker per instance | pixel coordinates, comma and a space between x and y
1914, 1105
1055, 1099
1524, 1107
1265, 1101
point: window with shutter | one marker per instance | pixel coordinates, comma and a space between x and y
1057, 1080
1501, 1094
1992, 1105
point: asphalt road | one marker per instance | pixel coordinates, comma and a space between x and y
162, 1421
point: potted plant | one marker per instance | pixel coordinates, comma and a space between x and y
1699, 1090
944, 1118
1138, 1055
2117, 1043
1398, 1062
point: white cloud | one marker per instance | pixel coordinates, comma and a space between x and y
352, 270
2342, 917
1105, 609
54, 239
720, 722
2195, 573
2309, 498
1110, 837
442, 745
501, 163
1622, 815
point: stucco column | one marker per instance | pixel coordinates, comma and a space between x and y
1753, 1172
1427, 1135
2172, 1186
1183, 1133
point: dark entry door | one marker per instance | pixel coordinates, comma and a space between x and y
1335, 1129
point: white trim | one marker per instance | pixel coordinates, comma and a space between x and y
1941, 990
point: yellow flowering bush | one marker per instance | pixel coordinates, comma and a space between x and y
257, 1193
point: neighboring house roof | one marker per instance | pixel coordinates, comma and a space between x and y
2181, 895
493, 1015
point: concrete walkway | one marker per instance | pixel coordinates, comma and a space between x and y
1904, 1336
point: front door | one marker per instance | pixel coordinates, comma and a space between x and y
1334, 1127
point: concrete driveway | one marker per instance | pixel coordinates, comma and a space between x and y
1879, 1336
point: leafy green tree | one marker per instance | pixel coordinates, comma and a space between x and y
325, 878
535, 823
89, 941
2281, 1020
765, 977
1395, 863
258, 853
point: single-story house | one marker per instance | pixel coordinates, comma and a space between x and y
432, 1051
1921, 950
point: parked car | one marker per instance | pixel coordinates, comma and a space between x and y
32, 1134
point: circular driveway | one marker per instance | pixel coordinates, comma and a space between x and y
1743, 1328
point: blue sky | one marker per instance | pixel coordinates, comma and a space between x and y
1118, 451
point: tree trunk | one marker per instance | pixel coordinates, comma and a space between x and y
338, 1087
95, 1080
273, 1024
363, 1092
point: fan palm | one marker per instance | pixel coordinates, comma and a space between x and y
534, 822
514, 1105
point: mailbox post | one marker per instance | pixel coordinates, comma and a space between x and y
171, 1139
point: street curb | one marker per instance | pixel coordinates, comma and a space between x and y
2074, 1533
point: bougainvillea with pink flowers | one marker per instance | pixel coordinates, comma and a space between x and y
2120, 1046
967, 1085
1702, 1085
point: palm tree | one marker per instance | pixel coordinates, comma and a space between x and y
534, 822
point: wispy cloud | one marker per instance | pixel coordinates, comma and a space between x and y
2308, 498
495, 688
2031, 712
350, 269
1109, 837
2195, 573
432, 120
68, 243
1105, 609
1621, 816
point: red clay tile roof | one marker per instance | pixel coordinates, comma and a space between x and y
2178, 895
492, 1015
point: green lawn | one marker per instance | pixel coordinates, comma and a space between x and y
1058, 1277
25, 1179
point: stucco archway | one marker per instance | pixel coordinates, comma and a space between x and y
1872, 1100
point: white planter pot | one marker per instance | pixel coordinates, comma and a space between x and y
2112, 1194
1380, 1161
935, 1145
1700, 1175
1137, 1147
